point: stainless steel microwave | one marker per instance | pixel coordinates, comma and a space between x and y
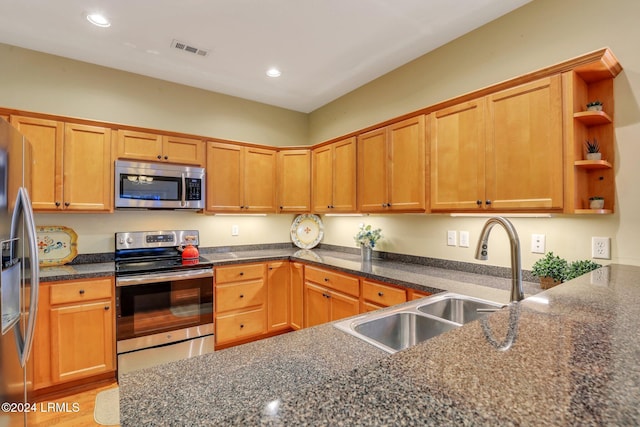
158, 186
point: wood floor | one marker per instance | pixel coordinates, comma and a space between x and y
85, 401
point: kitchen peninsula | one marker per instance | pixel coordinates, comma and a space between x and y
573, 363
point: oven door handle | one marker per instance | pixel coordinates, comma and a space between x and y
163, 277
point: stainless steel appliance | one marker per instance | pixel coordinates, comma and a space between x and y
19, 279
164, 305
158, 186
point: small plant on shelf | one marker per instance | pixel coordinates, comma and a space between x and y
551, 269
593, 149
594, 106
596, 202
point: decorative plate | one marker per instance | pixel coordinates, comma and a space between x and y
57, 245
307, 231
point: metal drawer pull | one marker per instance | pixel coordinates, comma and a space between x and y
241, 295
380, 294
81, 291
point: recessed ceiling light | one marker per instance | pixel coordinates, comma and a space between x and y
273, 72
98, 20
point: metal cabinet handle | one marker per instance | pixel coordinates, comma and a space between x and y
488, 202
380, 294
241, 325
241, 295
106, 307
159, 156
81, 291
57, 204
479, 202
67, 204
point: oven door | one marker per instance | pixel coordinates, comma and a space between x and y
160, 308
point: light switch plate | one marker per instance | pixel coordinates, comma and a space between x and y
464, 239
451, 238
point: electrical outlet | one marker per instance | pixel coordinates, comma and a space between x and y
451, 238
235, 230
537, 243
464, 239
601, 247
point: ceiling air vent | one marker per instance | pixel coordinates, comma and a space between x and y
188, 48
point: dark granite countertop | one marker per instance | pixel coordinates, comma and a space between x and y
417, 276
573, 362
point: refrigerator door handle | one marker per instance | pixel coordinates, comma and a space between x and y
23, 204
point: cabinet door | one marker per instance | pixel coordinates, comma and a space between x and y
457, 157
317, 309
524, 166
343, 305
322, 180
294, 181
259, 180
186, 151
278, 295
407, 165
139, 146
81, 340
372, 171
344, 176
297, 295
46, 137
224, 178
88, 168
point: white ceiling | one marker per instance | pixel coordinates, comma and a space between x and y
325, 48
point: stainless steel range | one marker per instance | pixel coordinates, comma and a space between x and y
164, 305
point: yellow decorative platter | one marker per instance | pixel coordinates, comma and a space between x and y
57, 245
307, 231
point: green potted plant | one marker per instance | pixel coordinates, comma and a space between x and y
593, 150
578, 268
596, 202
551, 270
594, 106
366, 238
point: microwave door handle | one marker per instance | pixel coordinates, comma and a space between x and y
23, 203
184, 191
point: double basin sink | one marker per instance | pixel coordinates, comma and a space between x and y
401, 327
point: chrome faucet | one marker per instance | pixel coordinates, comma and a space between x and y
482, 252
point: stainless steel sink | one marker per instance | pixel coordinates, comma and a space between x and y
400, 327
458, 309
402, 330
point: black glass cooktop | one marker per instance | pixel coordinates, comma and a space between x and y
153, 261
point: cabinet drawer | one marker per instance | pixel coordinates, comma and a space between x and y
338, 281
80, 291
241, 295
241, 325
381, 294
236, 273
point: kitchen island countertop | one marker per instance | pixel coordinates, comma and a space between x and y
573, 362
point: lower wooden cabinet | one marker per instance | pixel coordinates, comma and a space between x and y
240, 302
75, 332
329, 296
297, 295
278, 296
377, 295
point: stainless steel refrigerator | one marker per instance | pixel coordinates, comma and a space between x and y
19, 278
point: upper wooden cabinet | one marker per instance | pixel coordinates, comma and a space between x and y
72, 165
392, 167
240, 179
334, 177
502, 152
160, 148
591, 81
294, 181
